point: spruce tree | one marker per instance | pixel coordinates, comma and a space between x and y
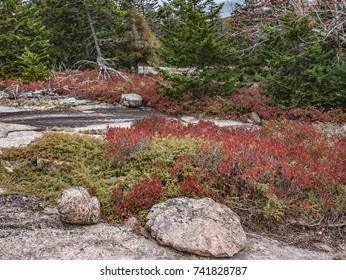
190, 38
148, 8
69, 27
21, 31
189, 34
140, 40
302, 73
31, 67
9, 41
69, 33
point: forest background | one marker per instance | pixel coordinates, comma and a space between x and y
297, 51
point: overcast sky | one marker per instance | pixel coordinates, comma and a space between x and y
227, 7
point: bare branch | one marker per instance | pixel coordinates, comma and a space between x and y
104, 69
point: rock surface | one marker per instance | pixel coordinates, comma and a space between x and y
76, 206
29, 232
199, 226
22, 123
217, 122
14, 135
131, 100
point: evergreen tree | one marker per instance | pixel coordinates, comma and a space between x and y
190, 38
288, 49
21, 31
31, 67
302, 73
9, 41
189, 34
66, 21
148, 8
70, 34
141, 41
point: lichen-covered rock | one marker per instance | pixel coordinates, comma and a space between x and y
76, 206
254, 117
131, 100
203, 227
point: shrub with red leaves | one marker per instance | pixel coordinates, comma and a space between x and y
122, 143
291, 162
141, 195
86, 84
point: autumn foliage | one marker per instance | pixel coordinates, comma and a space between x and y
237, 105
284, 166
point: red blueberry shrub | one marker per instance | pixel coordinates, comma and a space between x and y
284, 166
141, 195
237, 105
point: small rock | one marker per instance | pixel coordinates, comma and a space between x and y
131, 222
76, 206
46, 164
255, 118
1, 190
202, 227
9, 169
7, 166
131, 100
323, 247
72, 101
3, 95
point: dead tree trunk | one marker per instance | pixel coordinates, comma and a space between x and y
104, 70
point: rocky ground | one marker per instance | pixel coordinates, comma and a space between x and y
23, 120
29, 232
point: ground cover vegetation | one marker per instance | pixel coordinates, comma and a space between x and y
284, 61
285, 169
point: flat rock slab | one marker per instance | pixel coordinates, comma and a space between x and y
86, 115
29, 232
10, 109
199, 226
19, 138
6, 128
15, 135
219, 123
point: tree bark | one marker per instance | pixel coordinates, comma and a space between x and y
104, 70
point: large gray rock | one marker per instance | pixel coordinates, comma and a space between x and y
76, 206
203, 227
131, 100
29, 232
